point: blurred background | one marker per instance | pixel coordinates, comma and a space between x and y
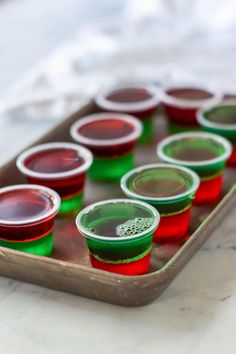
55, 55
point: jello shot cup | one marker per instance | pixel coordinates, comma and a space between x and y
204, 153
119, 234
140, 101
171, 190
181, 103
60, 166
221, 119
112, 138
27, 214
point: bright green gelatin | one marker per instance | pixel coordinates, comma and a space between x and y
41, 247
111, 169
148, 130
71, 205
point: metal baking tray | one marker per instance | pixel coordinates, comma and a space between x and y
69, 269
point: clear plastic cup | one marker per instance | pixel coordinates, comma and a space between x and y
112, 138
182, 101
119, 234
221, 119
204, 153
60, 166
170, 189
27, 214
140, 101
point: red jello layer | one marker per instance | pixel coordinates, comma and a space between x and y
181, 115
115, 150
209, 190
232, 159
26, 232
133, 268
65, 187
173, 227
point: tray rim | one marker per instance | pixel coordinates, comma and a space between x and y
161, 276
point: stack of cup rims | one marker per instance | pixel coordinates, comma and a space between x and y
120, 233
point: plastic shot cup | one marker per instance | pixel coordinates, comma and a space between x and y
181, 103
204, 153
221, 120
119, 234
112, 138
60, 166
27, 214
138, 100
170, 189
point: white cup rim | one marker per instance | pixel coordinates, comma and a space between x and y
210, 124
103, 102
134, 135
82, 151
33, 220
177, 137
128, 192
88, 234
188, 103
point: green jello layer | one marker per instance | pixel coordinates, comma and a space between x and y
122, 249
148, 130
129, 260
71, 205
111, 169
41, 247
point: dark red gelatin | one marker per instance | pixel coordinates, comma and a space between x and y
129, 95
188, 93
232, 159
66, 187
137, 267
209, 190
23, 206
55, 161
184, 114
108, 129
173, 227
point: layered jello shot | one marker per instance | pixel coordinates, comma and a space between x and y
119, 234
204, 153
60, 166
27, 214
170, 189
181, 103
137, 100
112, 138
221, 119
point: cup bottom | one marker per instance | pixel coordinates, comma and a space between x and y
232, 159
111, 169
173, 227
41, 246
71, 206
137, 267
209, 190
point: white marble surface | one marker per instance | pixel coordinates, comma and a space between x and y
195, 315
